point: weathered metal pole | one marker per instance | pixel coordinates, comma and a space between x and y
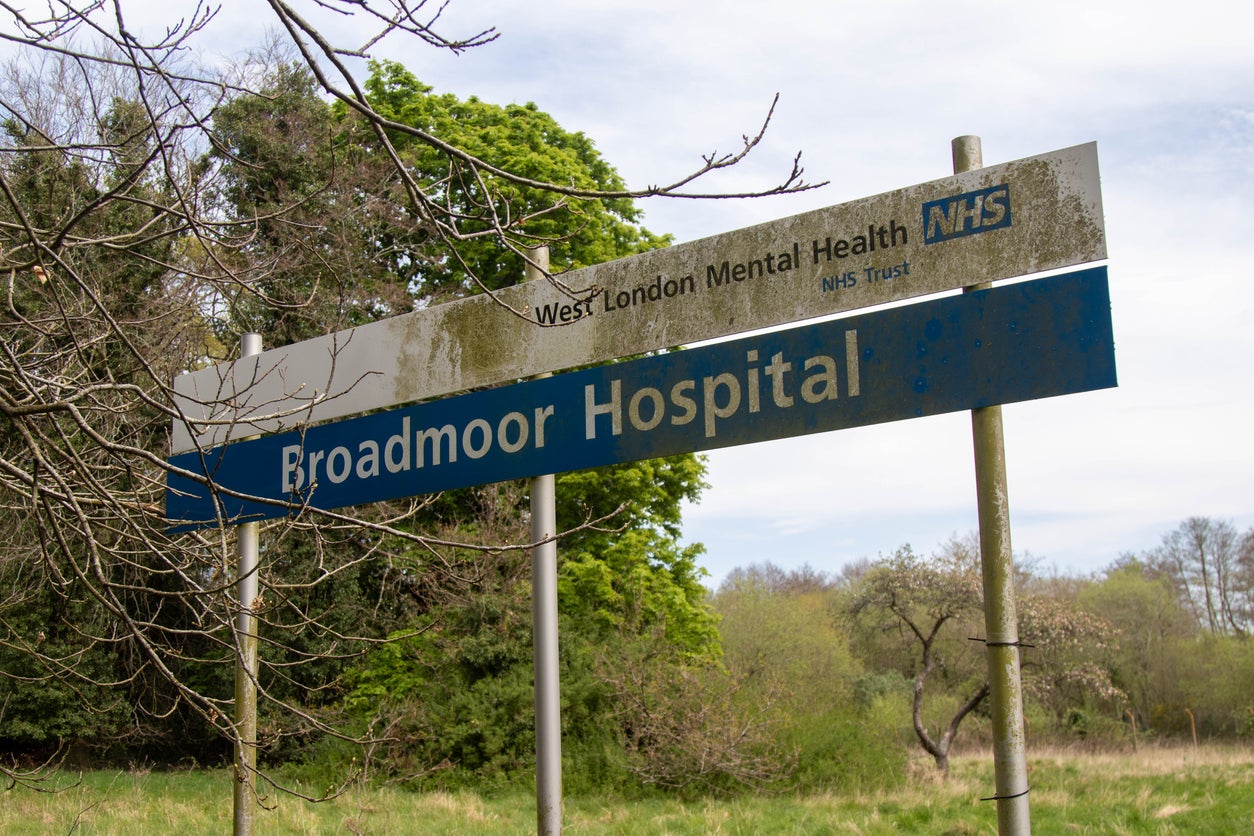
544, 632
1001, 617
248, 548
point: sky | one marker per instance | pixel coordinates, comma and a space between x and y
872, 94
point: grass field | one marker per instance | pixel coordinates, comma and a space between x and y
1209, 790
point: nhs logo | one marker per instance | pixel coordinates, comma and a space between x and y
966, 214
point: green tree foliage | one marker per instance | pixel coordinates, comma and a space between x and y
41, 641
456, 694
451, 700
527, 142
630, 574
777, 627
320, 230
624, 576
782, 640
1154, 635
334, 239
1175, 673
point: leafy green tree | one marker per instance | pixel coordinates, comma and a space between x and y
320, 223
1226, 707
456, 693
624, 577
1154, 636
350, 247
1180, 677
782, 640
630, 574
777, 627
525, 141
49, 672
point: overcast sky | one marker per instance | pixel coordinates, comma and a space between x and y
872, 94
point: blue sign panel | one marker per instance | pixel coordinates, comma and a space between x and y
1013, 343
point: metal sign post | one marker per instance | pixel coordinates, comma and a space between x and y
248, 546
1001, 620
544, 632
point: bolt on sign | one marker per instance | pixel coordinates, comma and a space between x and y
1032, 215
1011, 343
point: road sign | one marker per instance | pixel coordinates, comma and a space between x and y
1014, 219
1012, 343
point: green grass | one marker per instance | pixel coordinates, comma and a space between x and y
1154, 791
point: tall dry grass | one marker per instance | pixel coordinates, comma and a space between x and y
1157, 789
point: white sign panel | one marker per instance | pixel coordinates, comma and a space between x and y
1008, 220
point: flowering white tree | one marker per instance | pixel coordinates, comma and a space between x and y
927, 614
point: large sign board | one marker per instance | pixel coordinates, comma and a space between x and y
1032, 215
1012, 343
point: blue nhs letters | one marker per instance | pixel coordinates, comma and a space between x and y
966, 214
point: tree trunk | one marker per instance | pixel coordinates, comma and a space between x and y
939, 749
